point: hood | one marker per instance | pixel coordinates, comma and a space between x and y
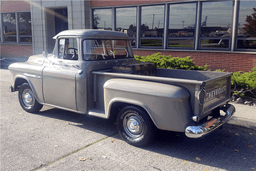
39, 59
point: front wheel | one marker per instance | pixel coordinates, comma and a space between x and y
27, 99
135, 126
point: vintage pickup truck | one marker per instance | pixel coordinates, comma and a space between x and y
79, 76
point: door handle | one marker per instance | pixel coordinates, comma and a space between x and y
80, 72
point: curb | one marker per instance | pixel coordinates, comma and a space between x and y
238, 121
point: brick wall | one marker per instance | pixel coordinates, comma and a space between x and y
14, 6
215, 60
16, 50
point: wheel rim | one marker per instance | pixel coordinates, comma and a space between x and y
28, 98
133, 125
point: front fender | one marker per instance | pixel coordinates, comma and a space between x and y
22, 77
167, 105
32, 73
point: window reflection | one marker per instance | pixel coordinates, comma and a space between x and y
152, 42
216, 22
181, 43
9, 27
182, 20
215, 43
216, 19
25, 23
126, 21
25, 27
152, 21
246, 32
26, 39
102, 19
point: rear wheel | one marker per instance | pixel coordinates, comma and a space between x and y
27, 99
135, 126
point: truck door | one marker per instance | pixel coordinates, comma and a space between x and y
59, 77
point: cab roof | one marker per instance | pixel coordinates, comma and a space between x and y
92, 34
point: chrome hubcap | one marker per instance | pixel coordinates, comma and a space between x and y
133, 125
27, 98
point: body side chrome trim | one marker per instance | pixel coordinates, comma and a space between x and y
33, 75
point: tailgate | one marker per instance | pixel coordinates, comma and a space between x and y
217, 92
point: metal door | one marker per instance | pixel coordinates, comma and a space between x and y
59, 84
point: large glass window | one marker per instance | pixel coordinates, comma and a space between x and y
9, 27
246, 31
126, 22
152, 26
25, 27
106, 49
216, 25
182, 24
102, 19
215, 21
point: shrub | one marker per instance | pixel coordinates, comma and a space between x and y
244, 82
169, 62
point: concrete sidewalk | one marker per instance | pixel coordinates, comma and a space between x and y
245, 115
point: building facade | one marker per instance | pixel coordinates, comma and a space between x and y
219, 33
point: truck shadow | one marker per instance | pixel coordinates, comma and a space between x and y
230, 148
99, 125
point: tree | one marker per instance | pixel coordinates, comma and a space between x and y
131, 27
96, 18
144, 27
250, 27
9, 17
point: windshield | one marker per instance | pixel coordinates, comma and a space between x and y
100, 49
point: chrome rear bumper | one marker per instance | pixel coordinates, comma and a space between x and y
209, 126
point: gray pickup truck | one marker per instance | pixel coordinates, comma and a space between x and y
81, 75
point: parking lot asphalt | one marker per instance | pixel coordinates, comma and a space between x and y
54, 139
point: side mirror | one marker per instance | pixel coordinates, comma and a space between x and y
45, 54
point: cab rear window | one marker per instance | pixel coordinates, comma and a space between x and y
102, 49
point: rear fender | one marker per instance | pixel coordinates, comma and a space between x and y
167, 105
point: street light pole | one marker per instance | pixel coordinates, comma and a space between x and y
153, 21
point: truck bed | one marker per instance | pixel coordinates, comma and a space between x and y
213, 87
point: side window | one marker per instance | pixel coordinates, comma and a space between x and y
68, 49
